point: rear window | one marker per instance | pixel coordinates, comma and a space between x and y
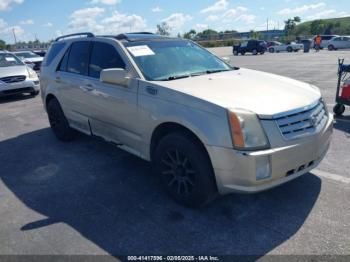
53, 52
79, 58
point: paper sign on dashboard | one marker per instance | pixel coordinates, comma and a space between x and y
141, 50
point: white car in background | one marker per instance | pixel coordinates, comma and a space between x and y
31, 59
16, 77
276, 47
339, 42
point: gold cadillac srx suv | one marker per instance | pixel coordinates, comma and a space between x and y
208, 127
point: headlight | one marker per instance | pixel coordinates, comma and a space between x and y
31, 73
247, 132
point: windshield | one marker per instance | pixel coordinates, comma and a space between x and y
7, 60
170, 60
26, 55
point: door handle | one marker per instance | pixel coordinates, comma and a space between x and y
87, 88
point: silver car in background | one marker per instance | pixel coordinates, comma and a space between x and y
31, 59
16, 77
339, 42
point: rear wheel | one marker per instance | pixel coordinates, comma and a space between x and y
185, 170
289, 49
235, 53
339, 109
58, 121
255, 52
331, 47
271, 50
242, 53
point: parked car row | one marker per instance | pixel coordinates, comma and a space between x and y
16, 77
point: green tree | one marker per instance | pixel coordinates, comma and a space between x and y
163, 29
2, 44
290, 24
254, 34
190, 34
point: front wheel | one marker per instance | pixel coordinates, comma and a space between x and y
235, 53
339, 109
185, 170
271, 50
289, 49
331, 47
255, 52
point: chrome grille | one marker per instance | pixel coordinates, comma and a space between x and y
13, 79
302, 123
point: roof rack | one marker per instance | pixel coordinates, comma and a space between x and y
87, 34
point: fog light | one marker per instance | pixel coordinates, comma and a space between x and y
263, 168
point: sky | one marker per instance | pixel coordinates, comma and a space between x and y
45, 20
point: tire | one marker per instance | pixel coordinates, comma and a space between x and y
242, 53
58, 122
271, 50
255, 52
235, 53
289, 49
339, 109
331, 47
262, 52
185, 170
34, 93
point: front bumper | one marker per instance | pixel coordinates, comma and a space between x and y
236, 171
27, 86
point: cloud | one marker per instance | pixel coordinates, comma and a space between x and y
85, 19
219, 6
157, 9
118, 23
248, 19
242, 8
105, 2
27, 22
7, 4
212, 18
202, 26
177, 20
322, 14
7, 31
47, 25
301, 9
229, 14
94, 19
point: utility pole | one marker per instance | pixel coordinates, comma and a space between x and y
14, 35
267, 25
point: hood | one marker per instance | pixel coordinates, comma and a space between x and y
262, 93
20, 70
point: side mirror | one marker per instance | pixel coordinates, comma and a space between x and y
117, 76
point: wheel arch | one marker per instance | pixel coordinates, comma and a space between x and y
166, 128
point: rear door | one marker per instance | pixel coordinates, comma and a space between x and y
70, 76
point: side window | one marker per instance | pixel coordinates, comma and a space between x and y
104, 56
63, 64
78, 58
52, 53
337, 39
